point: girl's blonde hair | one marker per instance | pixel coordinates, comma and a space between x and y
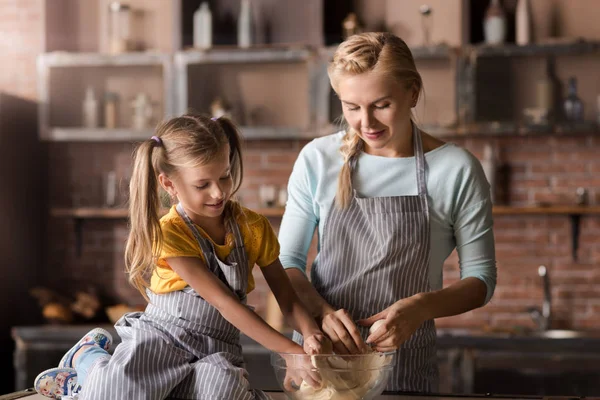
190, 140
381, 52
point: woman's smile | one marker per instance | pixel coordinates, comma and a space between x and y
373, 135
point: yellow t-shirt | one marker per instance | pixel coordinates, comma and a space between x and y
260, 242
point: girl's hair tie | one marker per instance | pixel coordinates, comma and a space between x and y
157, 140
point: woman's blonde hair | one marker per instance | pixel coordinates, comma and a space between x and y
371, 51
190, 140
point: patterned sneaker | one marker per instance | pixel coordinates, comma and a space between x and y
96, 337
57, 383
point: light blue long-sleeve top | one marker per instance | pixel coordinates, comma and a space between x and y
460, 207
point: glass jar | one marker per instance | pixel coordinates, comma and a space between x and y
119, 27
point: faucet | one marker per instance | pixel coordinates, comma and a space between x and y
543, 317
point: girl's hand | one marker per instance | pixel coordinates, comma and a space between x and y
299, 369
317, 343
400, 321
342, 331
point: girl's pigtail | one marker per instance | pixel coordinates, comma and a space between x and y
145, 237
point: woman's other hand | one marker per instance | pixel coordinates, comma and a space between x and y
317, 343
400, 321
342, 331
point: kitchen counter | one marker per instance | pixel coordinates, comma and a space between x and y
447, 338
584, 342
470, 361
28, 395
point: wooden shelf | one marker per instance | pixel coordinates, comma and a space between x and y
89, 212
121, 213
573, 212
274, 133
575, 47
72, 59
550, 210
97, 134
92, 213
235, 55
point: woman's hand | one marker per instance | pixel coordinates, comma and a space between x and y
342, 331
317, 343
400, 321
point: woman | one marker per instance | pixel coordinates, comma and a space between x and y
391, 203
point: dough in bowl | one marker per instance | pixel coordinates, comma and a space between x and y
344, 378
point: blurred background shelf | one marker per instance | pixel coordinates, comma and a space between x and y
233, 55
69, 59
549, 210
511, 129
274, 133
64, 77
97, 135
119, 213
539, 49
90, 212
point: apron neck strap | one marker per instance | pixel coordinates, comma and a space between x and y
420, 160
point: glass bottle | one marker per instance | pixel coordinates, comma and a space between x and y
494, 24
523, 23
245, 25
119, 28
572, 105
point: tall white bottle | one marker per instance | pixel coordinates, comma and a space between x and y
245, 25
203, 27
90, 109
523, 23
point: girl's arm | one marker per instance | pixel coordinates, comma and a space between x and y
210, 288
336, 324
294, 310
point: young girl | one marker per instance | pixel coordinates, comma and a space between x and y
199, 258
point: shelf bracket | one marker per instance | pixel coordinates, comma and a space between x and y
575, 222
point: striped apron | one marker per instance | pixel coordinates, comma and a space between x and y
375, 253
180, 347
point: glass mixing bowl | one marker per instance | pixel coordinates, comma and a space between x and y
333, 377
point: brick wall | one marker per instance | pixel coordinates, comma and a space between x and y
20, 162
543, 168
19, 47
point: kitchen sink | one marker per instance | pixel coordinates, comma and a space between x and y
521, 332
564, 334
